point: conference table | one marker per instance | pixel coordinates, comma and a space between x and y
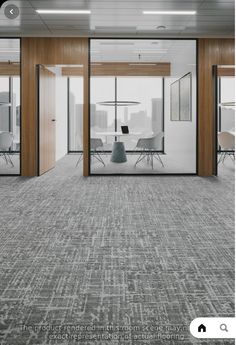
118, 135
118, 148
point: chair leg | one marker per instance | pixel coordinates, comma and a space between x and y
220, 158
7, 158
4, 158
140, 158
157, 156
100, 158
79, 160
225, 156
232, 156
10, 160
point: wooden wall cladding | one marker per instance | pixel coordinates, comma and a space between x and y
11, 69
225, 72
210, 52
75, 51
116, 69
47, 51
151, 69
72, 71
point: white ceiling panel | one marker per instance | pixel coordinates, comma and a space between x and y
213, 18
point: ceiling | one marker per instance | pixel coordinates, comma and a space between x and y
141, 51
121, 18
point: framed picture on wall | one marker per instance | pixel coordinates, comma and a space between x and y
174, 101
185, 97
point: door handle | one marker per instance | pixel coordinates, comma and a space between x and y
53, 120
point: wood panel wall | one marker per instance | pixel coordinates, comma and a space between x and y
47, 51
151, 69
75, 51
210, 52
9, 69
225, 72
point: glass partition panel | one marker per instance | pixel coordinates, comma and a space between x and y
102, 112
10, 107
5, 97
226, 119
144, 114
143, 106
75, 118
226, 104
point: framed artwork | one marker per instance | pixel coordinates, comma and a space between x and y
174, 101
185, 96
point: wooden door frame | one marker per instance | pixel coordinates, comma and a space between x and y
38, 66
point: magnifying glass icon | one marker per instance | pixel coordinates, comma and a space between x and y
223, 327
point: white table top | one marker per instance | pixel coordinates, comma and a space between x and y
117, 134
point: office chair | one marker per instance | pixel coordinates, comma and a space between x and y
226, 141
6, 140
95, 144
149, 147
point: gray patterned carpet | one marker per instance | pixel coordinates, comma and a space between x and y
114, 260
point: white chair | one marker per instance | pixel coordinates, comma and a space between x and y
95, 144
149, 147
6, 140
226, 141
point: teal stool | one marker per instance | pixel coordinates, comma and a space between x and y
118, 153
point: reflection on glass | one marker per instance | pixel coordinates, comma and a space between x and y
142, 136
75, 114
102, 117
146, 118
10, 109
227, 112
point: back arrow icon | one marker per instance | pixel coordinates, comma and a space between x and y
11, 11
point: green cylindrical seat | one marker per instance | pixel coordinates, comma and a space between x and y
118, 153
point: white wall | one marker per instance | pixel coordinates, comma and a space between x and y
180, 136
61, 117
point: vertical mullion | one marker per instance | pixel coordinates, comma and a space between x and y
163, 113
68, 115
115, 106
10, 99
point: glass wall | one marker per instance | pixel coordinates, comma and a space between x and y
146, 117
142, 112
226, 119
143, 106
75, 114
226, 106
9, 106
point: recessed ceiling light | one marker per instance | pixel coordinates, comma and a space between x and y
117, 43
161, 27
63, 11
171, 12
116, 28
155, 51
149, 52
